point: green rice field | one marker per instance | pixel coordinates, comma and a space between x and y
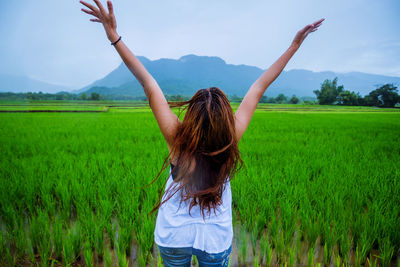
320, 185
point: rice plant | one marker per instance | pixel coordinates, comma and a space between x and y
72, 179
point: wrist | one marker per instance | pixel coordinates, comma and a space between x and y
113, 36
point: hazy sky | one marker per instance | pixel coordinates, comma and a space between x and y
54, 41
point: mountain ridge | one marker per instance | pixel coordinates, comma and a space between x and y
191, 72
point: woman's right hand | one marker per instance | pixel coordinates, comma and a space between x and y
302, 34
102, 16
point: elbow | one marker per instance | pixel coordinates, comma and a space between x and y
260, 89
148, 88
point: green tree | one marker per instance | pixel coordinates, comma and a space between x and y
177, 98
384, 96
264, 99
281, 98
294, 100
389, 95
32, 95
94, 96
235, 98
59, 96
348, 98
329, 92
84, 96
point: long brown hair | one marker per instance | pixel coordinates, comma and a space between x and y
206, 151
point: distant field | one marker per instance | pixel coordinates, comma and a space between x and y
320, 185
127, 106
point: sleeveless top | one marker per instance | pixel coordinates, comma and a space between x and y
176, 228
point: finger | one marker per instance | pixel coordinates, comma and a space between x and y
317, 25
100, 6
110, 8
318, 21
89, 12
95, 20
89, 6
306, 28
314, 30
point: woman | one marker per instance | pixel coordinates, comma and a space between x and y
195, 216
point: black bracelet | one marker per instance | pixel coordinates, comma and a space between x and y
116, 41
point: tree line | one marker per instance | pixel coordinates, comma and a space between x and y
65, 96
280, 99
331, 93
49, 96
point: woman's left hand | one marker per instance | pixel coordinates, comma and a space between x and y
102, 16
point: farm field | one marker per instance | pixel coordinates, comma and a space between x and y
126, 106
320, 185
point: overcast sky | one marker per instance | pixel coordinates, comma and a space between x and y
54, 41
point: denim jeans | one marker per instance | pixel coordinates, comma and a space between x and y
174, 257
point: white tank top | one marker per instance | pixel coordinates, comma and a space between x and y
176, 228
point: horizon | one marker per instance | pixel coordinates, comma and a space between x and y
70, 90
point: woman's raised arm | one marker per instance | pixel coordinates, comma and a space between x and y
249, 103
166, 119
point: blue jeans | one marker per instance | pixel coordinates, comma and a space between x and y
174, 257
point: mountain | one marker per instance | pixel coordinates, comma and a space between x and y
183, 76
190, 73
22, 84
